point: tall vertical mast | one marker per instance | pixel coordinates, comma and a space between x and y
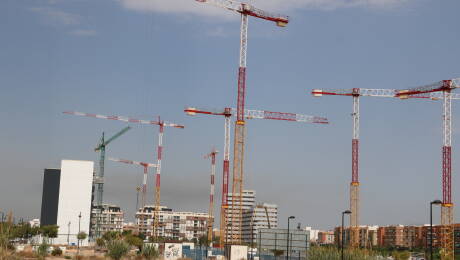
354, 185
225, 177
236, 212
447, 208
158, 182
211, 155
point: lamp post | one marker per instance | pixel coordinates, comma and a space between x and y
435, 202
78, 240
287, 238
68, 234
343, 231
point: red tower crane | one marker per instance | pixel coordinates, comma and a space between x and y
355, 93
211, 155
159, 123
249, 114
144, 181
238, 148
447, 209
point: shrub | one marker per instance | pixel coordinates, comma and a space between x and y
117, 249
56, 252
100, 242
149, 252
42, 250
134, 241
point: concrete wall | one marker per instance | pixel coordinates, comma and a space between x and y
74, 199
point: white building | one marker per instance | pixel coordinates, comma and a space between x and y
313, 233
260, 216
74, 204
175, 225
248, 201
109, 219
34, 222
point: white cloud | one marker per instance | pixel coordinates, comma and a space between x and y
193, 7
83, 33
57, 17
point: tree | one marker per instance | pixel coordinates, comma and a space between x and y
111, 235
82, 236
50, 231
134, 241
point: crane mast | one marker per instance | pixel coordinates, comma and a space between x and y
245, 10
444, 88
354, 185
211, 155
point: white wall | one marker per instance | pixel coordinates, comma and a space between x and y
74, 198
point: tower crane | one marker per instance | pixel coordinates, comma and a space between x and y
99, 178
249, 114
355, 93
161, 125
443, 87
144, 181
211, 155
244, 10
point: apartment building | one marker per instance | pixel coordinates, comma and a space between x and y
171, 224
260, 216
232, 215
108, 218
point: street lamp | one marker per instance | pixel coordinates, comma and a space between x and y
348, 212
68, 233
435, 202
78, 240
287, 238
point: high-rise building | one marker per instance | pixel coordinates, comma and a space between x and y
109, 218
50, 197
74, 205
171, 224
248, 201
260, 216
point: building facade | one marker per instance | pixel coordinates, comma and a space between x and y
325, 238
232, 216
74, 204
171, 224
257, 217
108, 217
50, 196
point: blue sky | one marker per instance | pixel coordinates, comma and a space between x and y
145, 58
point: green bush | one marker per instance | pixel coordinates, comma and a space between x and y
100, 242
149, 252
42, 249
117, 249
56, 252
134, 241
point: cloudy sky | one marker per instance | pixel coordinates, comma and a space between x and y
145, 58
